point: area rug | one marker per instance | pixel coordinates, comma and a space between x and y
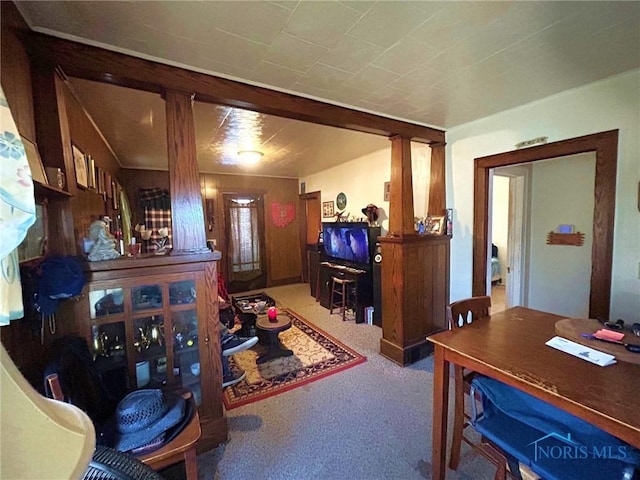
315, 355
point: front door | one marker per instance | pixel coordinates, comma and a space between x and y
244, 235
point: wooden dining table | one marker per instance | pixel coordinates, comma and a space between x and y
510, 347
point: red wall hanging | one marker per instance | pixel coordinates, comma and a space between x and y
282, 214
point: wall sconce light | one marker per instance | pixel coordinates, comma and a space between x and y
249, 156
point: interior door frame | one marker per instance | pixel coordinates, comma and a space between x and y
305, 199
605, 146
264, 279
516, 236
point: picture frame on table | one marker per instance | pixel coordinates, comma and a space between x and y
435, 225
327, 209
80, 165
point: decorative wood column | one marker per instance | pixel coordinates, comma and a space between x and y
437, 187
415, 268
187, 214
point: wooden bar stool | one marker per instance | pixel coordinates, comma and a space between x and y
347, 292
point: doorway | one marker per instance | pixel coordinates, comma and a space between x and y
605, 147
508, 236
244, 235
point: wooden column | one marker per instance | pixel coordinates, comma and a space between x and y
187, 214
415, 268
437, 188
401, 194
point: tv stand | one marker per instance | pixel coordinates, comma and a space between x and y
362, 277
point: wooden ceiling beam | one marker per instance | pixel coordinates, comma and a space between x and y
93, 63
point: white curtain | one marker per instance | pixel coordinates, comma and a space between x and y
245, 245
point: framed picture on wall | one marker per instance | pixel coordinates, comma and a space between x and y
107, 184
91, 171
35, 162
387, 191
115, 195
80, 165
327, 209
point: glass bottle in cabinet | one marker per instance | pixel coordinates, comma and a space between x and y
151, 353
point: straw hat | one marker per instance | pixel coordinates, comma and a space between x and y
144, 415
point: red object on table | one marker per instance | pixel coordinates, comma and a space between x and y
272, 313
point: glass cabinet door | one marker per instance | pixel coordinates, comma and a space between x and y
184, 328
146, 297
110, 356
106, 302
151, 353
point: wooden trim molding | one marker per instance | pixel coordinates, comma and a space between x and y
93, 63
605, 146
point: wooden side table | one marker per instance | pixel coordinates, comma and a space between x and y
271, 331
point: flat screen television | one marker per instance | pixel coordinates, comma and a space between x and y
346, 241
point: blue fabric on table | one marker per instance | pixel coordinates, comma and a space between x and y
554, 443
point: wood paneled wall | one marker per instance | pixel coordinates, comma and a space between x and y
15, 70
282, 243
88, 205
22, 337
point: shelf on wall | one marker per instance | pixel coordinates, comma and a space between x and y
48, 190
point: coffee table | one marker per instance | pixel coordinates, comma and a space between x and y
246, 308
269, 337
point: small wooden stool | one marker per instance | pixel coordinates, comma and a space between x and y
342, 288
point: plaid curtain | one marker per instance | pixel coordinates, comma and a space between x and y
155, 198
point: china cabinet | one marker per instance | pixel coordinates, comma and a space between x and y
152, 322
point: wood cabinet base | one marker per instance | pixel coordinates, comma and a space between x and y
215, 432
415, 294
405, 355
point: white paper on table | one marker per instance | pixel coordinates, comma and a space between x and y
580, 351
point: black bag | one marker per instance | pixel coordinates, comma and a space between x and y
80, 381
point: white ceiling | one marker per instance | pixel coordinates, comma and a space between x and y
433, 63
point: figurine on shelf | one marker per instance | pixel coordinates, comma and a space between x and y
104, 244
161, 245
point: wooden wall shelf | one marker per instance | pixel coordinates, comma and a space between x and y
574, 239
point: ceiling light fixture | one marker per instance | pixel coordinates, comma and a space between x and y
250, 156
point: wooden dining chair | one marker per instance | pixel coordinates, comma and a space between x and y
459, 314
